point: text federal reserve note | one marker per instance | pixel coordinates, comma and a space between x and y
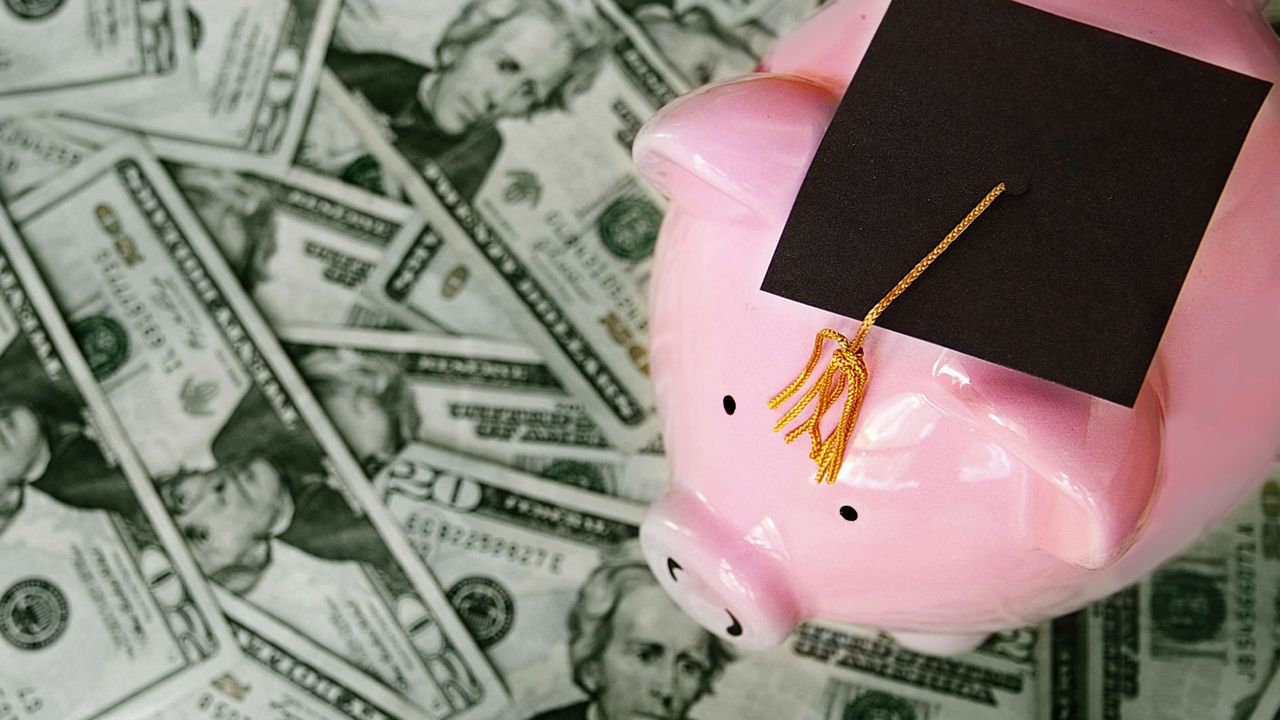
274, 682
97, 607
79, 53
261, 486
494, 400
302, 246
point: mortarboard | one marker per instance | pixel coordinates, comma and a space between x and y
1114, 152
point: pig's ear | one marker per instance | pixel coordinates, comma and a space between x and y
828, 47
737, 149
1094, 466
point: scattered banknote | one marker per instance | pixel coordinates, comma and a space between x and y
31, 152
497, 401
261, 486
451, 296
550, 582
302, 246
79, 53
98, 602
331, 145
273, 683
523, 168
257, 63
1197, 639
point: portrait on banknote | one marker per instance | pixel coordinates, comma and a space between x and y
45, 444
496, 59
369, 400
268, 488
237, 211
631, 650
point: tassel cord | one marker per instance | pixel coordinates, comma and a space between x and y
847, 369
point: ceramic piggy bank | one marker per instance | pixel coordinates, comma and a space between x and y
972, 498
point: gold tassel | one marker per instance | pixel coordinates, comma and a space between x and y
847, 370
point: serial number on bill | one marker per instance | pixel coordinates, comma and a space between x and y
426, 530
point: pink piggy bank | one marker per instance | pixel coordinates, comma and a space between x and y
972, 498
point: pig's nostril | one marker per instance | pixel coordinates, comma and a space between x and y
672, 567
736, 628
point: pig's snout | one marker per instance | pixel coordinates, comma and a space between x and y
722, 579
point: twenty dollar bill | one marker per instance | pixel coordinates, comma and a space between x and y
99, 603
262, 488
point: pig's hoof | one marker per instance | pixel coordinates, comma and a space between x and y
938, 643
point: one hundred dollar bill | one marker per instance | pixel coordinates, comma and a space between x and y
78, 53
497, 401
551, 583
31, 152
302, 246
258, 62
1197, 639
523, 167
100, 607
259, 483
699, 41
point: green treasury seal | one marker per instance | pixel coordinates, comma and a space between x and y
1187, 606
104, 342
485, 607
576, 473
33, 614
629, 228
877, 705
33, 9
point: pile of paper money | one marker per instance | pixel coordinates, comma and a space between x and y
324, 390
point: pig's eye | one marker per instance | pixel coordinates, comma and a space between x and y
730, 404
848, 513
736, 628
672, 567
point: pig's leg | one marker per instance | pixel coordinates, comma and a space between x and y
939, 643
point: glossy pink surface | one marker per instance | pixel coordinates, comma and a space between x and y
985, 499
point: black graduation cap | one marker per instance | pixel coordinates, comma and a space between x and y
1115, 153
